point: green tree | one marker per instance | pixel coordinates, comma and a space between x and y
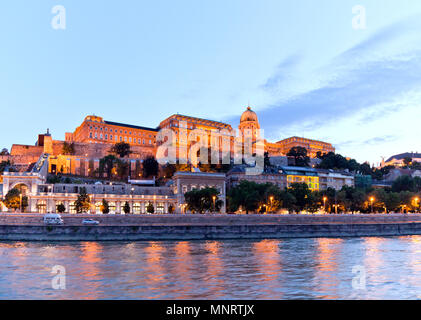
171, 208
12, 200
83, 202
301, 193
61, 208
122, 149
105, 207
202, 200
300, 156
404, 183
107, 164
126, 208
122, 169
150, 208
245, 195
150, 167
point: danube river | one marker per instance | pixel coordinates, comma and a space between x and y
353, 268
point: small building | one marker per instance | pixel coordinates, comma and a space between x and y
238, 174
187, 181
334, 179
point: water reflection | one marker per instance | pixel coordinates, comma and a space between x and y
269, 269
268, 263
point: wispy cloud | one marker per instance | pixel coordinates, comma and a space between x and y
364, 81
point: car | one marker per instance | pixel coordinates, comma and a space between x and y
53, 218
90, 221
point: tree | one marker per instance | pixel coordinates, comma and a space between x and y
150, 208
169, 169
83, 202
61, 208
122, 149
301, 193
407, 161
107, 164
150, 167
266, 162
13, 200
68, 148
300, 156
122, 169
170, 208
4, 152
126, 208
202, 200
245, 195
404, 183
105, 208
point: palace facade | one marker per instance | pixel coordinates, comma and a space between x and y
94, 138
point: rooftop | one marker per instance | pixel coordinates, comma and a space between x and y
130, 126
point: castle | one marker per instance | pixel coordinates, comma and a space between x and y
94, 138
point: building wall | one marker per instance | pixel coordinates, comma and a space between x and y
312, 146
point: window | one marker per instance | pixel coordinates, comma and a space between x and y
72, 207
160, 207
106, 136
121, 138
100, 136
150, 142
90, 135
130, 139
42, 206
125, 139
136, 208
111, 137
96, 135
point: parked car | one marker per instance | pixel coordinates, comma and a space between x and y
90, 221
53, 218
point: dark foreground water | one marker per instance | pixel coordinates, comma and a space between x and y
269, 269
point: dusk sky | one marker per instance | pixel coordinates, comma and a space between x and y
302, 66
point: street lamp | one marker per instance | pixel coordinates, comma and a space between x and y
371, 201
324, 203
416, 203
20, 202
132, 200
214, 199
271, 203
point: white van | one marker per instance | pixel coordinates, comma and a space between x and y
53, 218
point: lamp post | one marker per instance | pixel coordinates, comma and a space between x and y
324, 204
214, 207
271, 203
20, 202
131, 193
416, 204
371, 202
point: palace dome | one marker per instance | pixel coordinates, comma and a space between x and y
248, 115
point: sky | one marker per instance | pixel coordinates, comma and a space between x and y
301, 65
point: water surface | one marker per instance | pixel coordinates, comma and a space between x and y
269, 269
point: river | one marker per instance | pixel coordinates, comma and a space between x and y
350, 268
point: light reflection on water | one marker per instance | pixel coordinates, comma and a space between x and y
245, 269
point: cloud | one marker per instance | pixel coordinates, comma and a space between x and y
282, 72
364, 80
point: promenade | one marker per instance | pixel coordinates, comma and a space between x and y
213, 219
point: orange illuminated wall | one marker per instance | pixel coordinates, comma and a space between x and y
312, 146
95, 130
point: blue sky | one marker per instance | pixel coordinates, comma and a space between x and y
301, 65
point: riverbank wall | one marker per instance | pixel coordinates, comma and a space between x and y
215, 228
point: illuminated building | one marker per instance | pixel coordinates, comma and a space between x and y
308, 176
95, 130
312, 146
